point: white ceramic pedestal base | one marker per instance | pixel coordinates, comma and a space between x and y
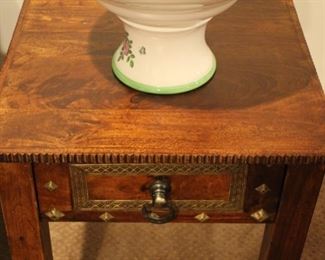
164, 60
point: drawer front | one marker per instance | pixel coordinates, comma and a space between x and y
118, 192
126, 187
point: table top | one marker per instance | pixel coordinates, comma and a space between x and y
59, 100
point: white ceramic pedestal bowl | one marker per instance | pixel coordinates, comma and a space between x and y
164, 51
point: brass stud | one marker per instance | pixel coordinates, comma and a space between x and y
106, 217
51, 186
154, 215
263, 189
54, 214
260, 215
202, 217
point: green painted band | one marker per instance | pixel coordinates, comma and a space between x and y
163, 90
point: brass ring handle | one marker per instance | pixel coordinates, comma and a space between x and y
161, 210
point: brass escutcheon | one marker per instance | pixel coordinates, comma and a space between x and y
54, 214
260, 215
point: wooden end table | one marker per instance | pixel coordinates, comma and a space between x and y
75, 144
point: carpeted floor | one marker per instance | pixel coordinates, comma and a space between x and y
81, 241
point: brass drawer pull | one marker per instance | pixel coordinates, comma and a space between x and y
161, 210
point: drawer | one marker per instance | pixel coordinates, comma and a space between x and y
125, 192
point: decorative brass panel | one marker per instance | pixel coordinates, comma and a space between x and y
81, 200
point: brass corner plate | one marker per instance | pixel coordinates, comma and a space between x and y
106, 217
82, 201
203, 217
54, 214
260, 215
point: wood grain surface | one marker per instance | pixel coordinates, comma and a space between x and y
273, 178
285, 238
196, 187
59, 198
59, 101
137, 187
26, 237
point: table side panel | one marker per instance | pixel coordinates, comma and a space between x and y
61, 196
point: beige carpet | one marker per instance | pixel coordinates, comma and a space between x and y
81, 241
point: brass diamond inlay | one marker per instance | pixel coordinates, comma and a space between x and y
260, 215
202, 217
54, 214
51, 186
106, 217
263, 189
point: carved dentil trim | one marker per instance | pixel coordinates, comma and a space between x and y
161, 158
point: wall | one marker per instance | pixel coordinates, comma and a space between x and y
312, 18
9, 11
311, 14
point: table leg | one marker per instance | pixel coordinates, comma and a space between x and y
26, 238
285, 238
